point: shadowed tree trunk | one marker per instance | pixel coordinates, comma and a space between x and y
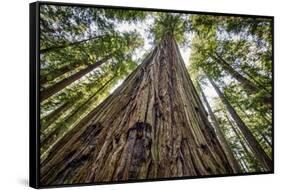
48, 92
53, 116
59, 72
245, 146
241, 162
259, 131
253, 143
220, 134
153, 126
55, 48
241, 141
249, 86
54, 135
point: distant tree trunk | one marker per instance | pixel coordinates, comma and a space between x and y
54, 135
241, 141
242, 161
221, 136
55, 48
259, 132
247, 149
265, 138
48, 92
253, 143
53, 116
261, 86
249, 86
153, 126
58, 72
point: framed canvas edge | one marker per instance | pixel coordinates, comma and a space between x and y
34, 106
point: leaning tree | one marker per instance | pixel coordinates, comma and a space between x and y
153, 126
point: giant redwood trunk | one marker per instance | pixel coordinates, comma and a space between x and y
153, 126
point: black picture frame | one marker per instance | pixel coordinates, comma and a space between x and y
34, 93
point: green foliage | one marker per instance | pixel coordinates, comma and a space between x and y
172, 24
246, 45
84, 36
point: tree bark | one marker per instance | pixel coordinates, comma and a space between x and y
253, 143
54, 48
153, 126
48, 92
221, 136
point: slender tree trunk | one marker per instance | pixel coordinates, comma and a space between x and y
253, 143
52, 137
53, 116
241, 141
59, 72
265, 138
247, 149
48, 92
241, 162
221, 136
259, 84
249, 86
260, 133
153, 126
55, 48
